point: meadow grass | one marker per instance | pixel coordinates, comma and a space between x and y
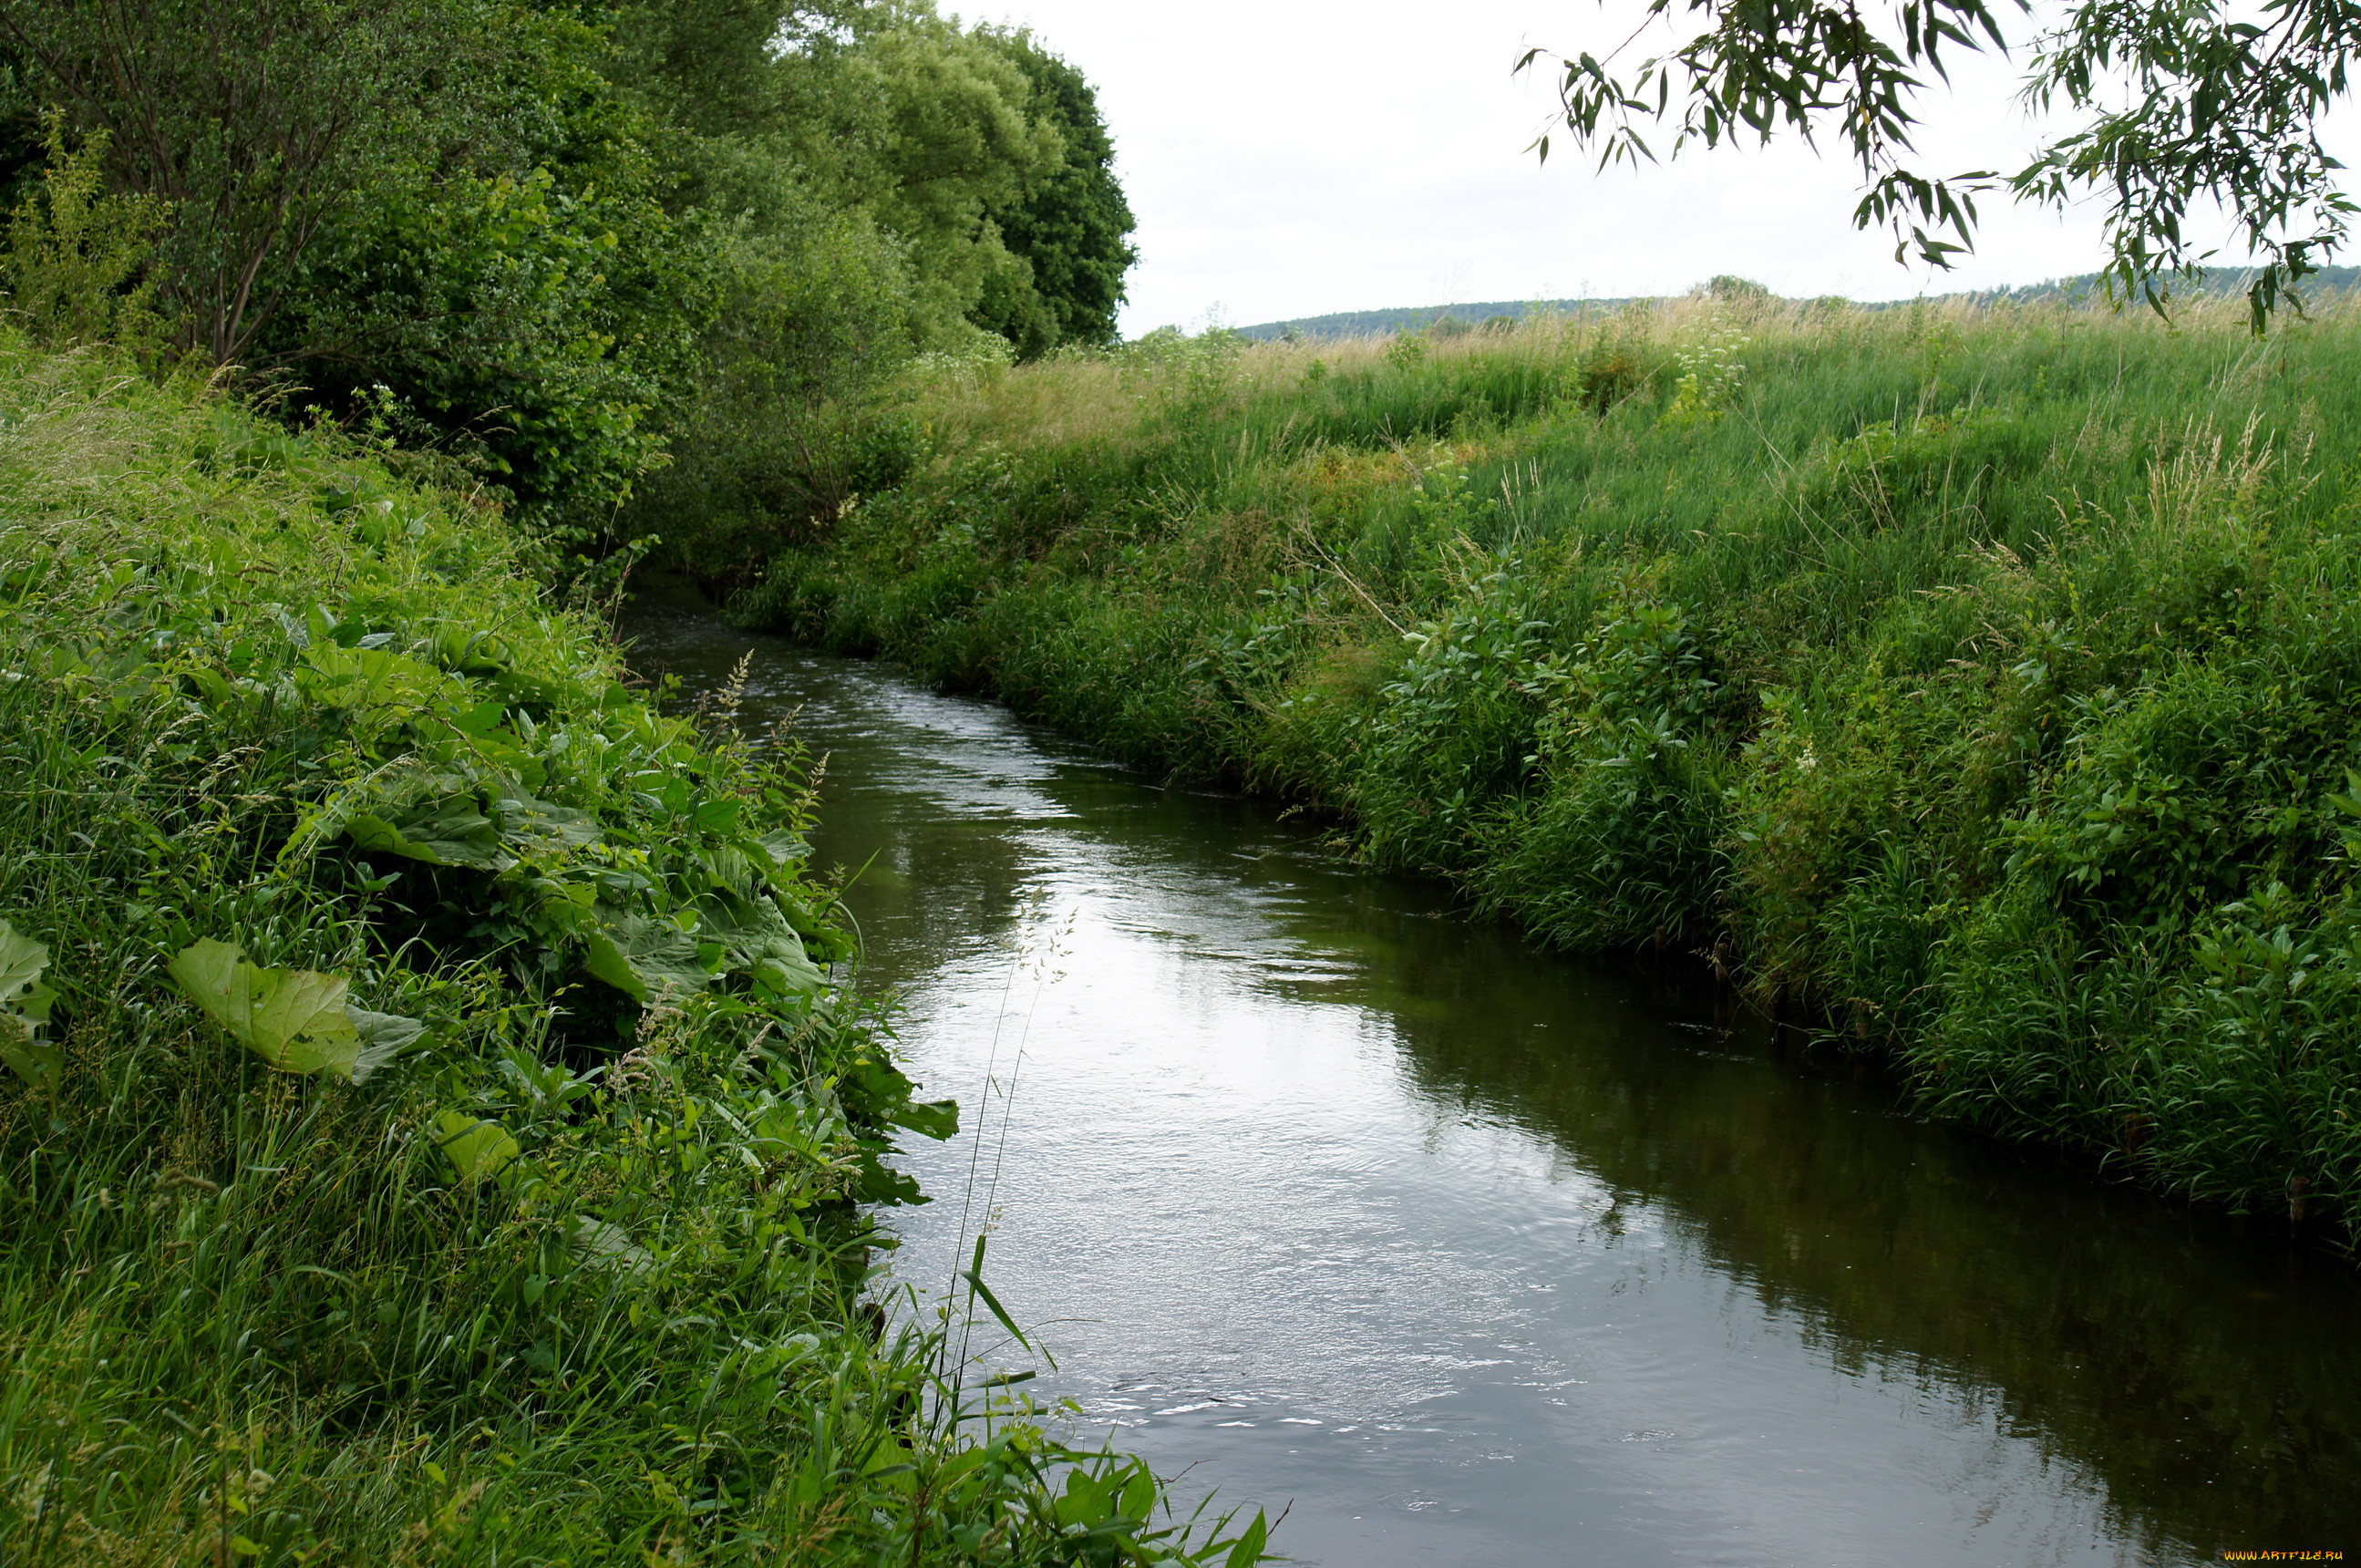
578, 1274
1977, 684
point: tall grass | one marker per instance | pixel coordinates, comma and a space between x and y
577, 1276
1974, 682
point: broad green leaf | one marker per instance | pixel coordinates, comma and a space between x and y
594, 1241
470, 652
384, 1035
294, 1019
480, 719
24, 1006
477, 1148
450, 832
39, 1062
758, 938
536, 825
22, 959
716, 815
368, 678
929, 1118
644, 958
786, 850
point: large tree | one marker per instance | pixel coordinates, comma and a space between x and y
2179, 105
1071, 226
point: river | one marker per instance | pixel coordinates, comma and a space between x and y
1327, 1199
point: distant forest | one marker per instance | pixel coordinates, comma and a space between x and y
1448, 319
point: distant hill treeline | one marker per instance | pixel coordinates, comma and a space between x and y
2084, 289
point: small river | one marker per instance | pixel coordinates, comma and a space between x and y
1467, 1254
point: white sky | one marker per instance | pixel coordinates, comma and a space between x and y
1290, 158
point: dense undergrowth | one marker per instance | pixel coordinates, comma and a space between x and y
1980, 686
501, 1198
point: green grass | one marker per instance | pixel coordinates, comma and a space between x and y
1979, 684
255, 689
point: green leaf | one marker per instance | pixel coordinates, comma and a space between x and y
369, 678
24, 1006
1250, 1544
929, 1118
384, 1035
40, 1063
785, 849
758, 938
475, 1147
294, 1020
594, 1241
716, 815
449, 832
642, 958
537, 827
480, 719
22, 959
974, 1277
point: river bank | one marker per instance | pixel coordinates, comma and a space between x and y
1470, 1256
1975, 685
434, 1130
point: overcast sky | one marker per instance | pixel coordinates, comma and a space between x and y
1288, 158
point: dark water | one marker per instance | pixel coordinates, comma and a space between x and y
1477, 1256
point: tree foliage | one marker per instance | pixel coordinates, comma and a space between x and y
253, 141
630, 265
2182, 105
1073, 226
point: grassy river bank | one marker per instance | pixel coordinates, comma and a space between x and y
1978, 687
434, 1131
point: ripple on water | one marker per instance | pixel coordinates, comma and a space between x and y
1477, 1256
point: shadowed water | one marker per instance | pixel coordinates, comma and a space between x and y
1472, 1255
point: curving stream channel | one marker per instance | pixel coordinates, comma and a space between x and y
1472, 1255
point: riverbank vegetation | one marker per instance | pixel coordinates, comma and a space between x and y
437, 1124
1975, 685
626, 267
435, 1127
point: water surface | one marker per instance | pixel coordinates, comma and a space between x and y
1468, 1255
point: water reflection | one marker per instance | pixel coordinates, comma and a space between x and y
1479, 1256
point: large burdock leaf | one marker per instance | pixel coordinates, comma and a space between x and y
757, 938
369, 678
24, 1007
475, 1147
645, 958
596, 1241
296, 1020
292, 1019
22, 959
450, 832
538, 828
384, 1035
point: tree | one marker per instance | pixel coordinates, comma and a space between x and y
1073, 225
523, 295
251, 122
2184, 101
